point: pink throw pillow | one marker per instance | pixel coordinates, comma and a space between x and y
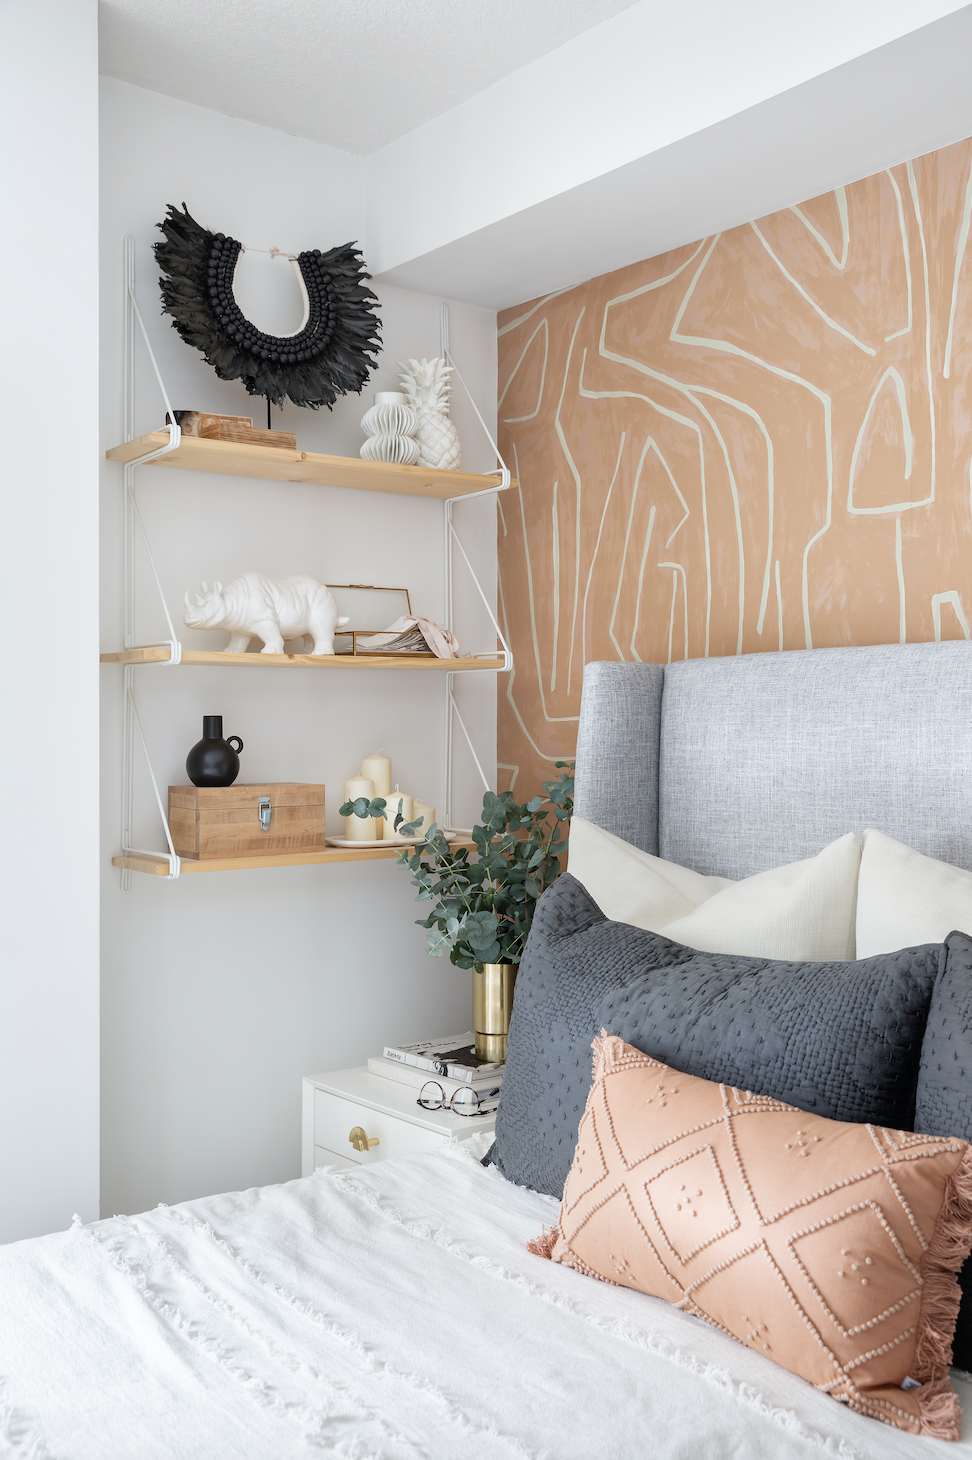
831, 1248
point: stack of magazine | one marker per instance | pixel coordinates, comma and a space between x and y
451, 1061
407, 641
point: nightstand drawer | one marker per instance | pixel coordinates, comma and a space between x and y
335, 1117
331, 1158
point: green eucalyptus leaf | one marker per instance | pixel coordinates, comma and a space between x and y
482, 906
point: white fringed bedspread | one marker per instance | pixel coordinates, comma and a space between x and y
390, 1312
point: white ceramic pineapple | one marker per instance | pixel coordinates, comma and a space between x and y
426, 385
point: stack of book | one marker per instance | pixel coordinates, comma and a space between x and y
451, 1061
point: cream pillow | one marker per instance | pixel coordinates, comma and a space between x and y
906, 898
804, 910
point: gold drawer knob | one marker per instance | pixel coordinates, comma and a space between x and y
361, 1140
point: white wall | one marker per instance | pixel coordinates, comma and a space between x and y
221, 990
49, 591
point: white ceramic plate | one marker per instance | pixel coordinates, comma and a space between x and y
412, 841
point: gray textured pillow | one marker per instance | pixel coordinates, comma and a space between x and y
842, 1040
944, 1101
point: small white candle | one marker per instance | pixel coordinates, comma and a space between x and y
399, 806
427, 814
357, 829
377, 768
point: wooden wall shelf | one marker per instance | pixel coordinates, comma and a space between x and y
234, 458
159, 866
160, 654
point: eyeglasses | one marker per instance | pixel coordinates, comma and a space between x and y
464, 1101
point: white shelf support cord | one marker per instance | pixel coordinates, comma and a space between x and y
175, 646
155, 363
172, 854
452, 537
133, 518
472, 748
507, 654
447, 356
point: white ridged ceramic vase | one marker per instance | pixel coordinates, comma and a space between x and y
389, 426
401, 450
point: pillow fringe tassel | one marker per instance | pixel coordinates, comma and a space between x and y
948, 1249
543, 1245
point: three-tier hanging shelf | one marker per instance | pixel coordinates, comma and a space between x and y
168, 447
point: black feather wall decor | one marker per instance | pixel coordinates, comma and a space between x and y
331, 355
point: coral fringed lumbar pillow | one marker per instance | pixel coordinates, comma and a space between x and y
831, 1248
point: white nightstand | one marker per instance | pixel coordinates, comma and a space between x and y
334, 1104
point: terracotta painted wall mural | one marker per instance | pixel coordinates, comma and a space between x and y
759, 441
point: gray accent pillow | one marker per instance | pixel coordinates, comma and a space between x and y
842, 1040
944, 1099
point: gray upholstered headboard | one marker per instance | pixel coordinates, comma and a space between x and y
731, 766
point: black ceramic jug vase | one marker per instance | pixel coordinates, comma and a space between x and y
212, 761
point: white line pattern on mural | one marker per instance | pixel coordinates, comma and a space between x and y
531, 415
533, 607
641, 583
693, 426
899, 566
840, 196
748, 410
821, 395
558, 427
953, 598
908, 442
907, 258
515, 323
511, 697
808, 297
928, 322
624, 550
597, 545
683, 389
777, 444
555, 550
959, 256
676, 569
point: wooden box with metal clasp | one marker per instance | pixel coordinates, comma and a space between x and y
246, 821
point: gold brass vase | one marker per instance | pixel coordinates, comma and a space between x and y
492, 1006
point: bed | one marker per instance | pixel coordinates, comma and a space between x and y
396, 1311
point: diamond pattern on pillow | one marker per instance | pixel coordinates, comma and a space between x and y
831, 1248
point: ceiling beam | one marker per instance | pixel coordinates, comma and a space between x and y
903, 99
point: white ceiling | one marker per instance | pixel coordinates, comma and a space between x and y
352, 73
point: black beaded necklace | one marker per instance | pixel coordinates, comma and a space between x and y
331, 354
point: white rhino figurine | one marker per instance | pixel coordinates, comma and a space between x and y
271, 609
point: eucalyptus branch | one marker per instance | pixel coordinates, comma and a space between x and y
482, 910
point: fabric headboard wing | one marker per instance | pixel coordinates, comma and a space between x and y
617, 751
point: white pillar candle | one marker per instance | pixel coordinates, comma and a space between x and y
399, 805
377, 768
427, 814
357, 829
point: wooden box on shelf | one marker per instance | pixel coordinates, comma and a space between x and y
233, 428
240, 820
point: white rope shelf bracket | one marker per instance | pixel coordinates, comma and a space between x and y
472, 748
506, 478
452, 539
171, 855
133, 527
